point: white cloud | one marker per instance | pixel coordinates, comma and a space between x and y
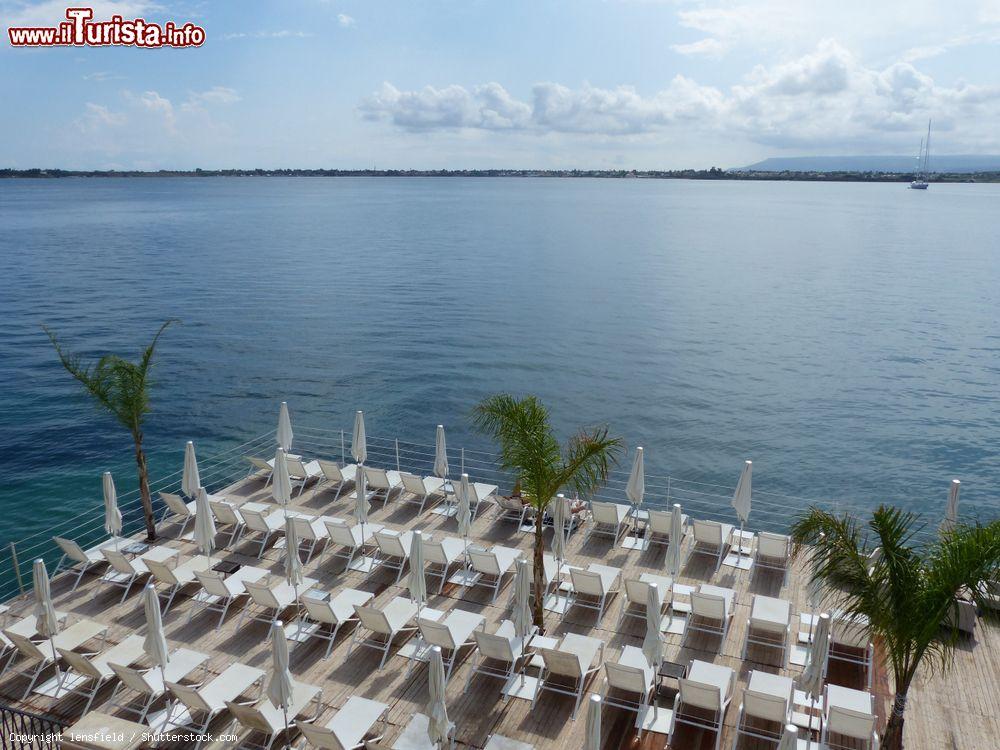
98, 117
214, 95
345, 20
488, 107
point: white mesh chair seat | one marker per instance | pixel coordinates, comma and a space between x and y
711, 538
567, 668
773, 551
711, 611
123, 572
265, 525
851, 643
492, 566
86, 559
262, 467
39, 652
382, 482
149, 683
452, 633
337, 475
208, 700
592, 587
479, 493
703, 698
268, 601
350, 728
311, 530
266, 718
550, 569
176, 578
328, 616
392, 550
766, 707
637, 592
384, 624
346, 540
301, 473
632, 675
219, 593
658, 526
87, 673
421, 489
512, 509
769, 624
440, 555
848, 713
607, 519
226, 515
499, 653
176, 508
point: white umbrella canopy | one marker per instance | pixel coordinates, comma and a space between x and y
464, 516
521, 615
676, 538
559, 528
438, 726
440, 454
280, 686
789, 738
951, 510
293, 564
359, 444
204, 524
636, 487
112, 514
652, 644
155, 643
48, 621
285, 433
418, 580
361, 493
190, 479
592, 738
281, 485
811, 679
741, 497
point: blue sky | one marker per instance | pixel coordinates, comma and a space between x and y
453, 83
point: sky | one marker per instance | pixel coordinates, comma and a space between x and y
589, 84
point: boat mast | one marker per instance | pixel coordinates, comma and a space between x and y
927, 149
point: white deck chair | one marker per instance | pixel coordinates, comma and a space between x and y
262, 467
383, 482
772, 553
633, 676
658, 526
176, 578
301, 473
88, 673
568, 667
491, 566
850, 643
265, 718
550, 569
267, 526
766, 707
385, 624
392, 550
25, 626
572, 519
350, 728
340, 476
479, 493
205, 702
323, 618
268, 601
37, 654
148, 685
636, 596
711, 611
77, 556
512, 509
708, 689
440, 555
421, 489
848, 713
346, 540
415, 737
123, 572
711, 538
499, 653
177, 510
311, 532
226, 515
769, 624
451, 634
219, 593
608, 519
592, 587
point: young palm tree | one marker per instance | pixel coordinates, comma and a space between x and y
543, 467
121, 387
909, 593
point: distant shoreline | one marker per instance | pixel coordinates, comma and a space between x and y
682, 174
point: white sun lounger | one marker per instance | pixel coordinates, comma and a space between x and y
350, 727
632, 676
385, 624
208, 700
220, 592
849, 714
440, 555
86, 559
592, 587
38, 653
637, 593
226, 514
658, 526
608, 519
850, 643
708, 689
711, 611
452, 633
766, 707
123, 572
346, 540
178, 510
340, 476
301, 473
175, 579
382, 482
323, 618
87, 673
550, 570
512, 509
269, 600
264, 717
499, 652
311, 531
491, 566
421, 489
479, 492
262, 467
148, 684
267, 526
711, 538
415, 737
575, 659
773, 552
769, 625
392, 551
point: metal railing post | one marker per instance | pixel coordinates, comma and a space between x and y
668, 492
463, 460
343, 452
397, 454
17, 567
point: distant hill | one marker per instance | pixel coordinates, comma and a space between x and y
944, 163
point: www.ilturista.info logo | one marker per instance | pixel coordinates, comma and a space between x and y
80, 30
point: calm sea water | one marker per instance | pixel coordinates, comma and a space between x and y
844, 336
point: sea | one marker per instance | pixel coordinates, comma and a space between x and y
843, 336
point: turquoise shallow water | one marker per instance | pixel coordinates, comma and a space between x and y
844, 336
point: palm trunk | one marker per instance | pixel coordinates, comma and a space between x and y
892, 738
147, 500
539, 573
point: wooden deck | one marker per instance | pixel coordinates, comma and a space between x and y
958, 710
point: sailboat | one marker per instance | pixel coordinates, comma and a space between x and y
923, 159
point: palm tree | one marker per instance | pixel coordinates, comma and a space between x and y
543, 467
908, 592
121, 387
